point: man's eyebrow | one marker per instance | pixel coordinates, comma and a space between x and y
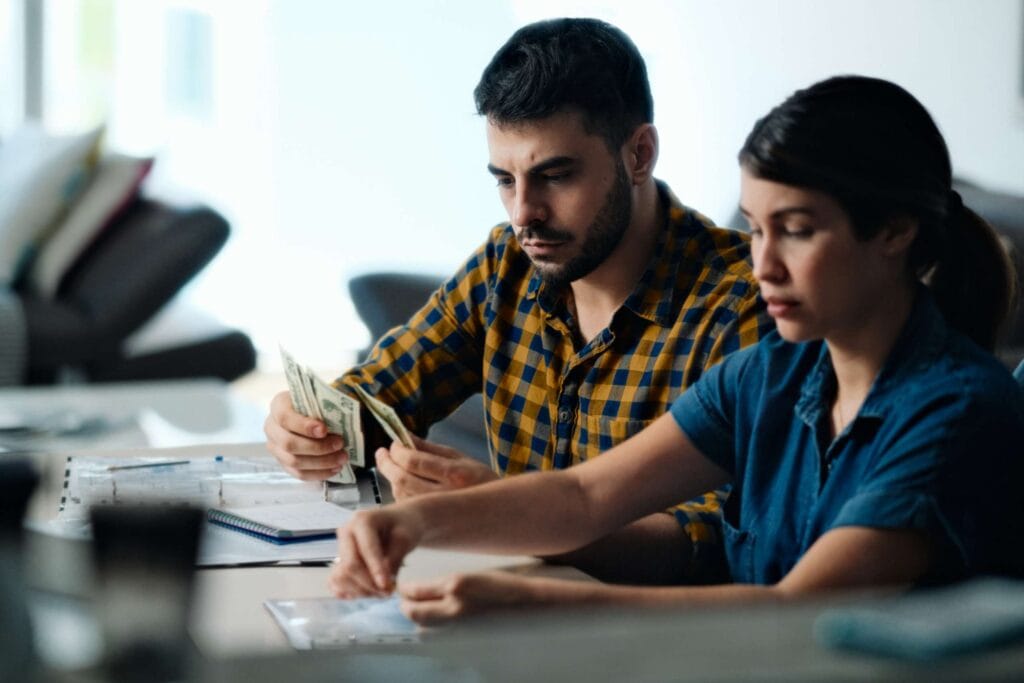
546, 165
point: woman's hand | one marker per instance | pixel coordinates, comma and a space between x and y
438, 600
371, 548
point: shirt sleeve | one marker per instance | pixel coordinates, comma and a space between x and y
427, 367
704, 412
935, 477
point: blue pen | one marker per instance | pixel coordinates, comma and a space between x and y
143, 465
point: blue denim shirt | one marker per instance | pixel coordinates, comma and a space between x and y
935, 447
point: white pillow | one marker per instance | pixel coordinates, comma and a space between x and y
114, 185
40, 176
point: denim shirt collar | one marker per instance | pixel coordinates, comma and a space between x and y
917, 345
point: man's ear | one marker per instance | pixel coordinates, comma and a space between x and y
640, 153
898, 234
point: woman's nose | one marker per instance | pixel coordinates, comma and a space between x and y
767, 264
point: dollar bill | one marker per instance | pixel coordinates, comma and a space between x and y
313, 397
294, 375
386, 417
341, 415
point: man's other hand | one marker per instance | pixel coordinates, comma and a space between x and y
429, 468
301, 444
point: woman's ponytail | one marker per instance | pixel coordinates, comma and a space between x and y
973, 280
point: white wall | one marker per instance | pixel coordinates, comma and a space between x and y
715, 67
378, 159
341, 136
735, 59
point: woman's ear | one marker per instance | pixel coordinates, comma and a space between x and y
898, 234
640, 153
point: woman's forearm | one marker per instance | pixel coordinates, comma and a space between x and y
555, 512
561, 592
532, 514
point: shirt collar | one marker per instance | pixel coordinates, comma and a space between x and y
918, 344
655, 295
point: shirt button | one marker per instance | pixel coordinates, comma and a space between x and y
563, 415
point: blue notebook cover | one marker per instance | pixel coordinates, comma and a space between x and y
284, 522
278, 540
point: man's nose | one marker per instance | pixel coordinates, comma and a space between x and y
528, 207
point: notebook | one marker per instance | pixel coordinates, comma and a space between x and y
284, 522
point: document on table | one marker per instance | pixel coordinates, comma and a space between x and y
197, 476
323, 623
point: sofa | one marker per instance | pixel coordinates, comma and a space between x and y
123, 279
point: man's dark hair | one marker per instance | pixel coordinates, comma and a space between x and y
559, 64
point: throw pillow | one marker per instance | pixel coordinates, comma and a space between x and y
40, 176
113, 187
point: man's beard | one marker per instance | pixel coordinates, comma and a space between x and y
599, 241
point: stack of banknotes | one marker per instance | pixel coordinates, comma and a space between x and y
315, 398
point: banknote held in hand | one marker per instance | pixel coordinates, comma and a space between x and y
315, 398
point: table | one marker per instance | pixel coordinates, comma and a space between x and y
240, 642
126, 416
229, 618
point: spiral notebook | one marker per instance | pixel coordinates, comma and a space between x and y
284, 522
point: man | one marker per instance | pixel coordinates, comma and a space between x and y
580, 319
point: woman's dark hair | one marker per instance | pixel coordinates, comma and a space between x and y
874, 148
582, 64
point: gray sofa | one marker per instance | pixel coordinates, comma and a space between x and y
139, 262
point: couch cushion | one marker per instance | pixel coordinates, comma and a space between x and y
40, 177
114, 185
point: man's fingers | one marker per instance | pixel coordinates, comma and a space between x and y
439, 449
293, 442
403, 483
421, 463
289, 460
283, 413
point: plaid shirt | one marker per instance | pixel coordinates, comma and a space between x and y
550, 402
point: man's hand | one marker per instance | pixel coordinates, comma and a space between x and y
370, 551
429, 468
452, 597
301, 444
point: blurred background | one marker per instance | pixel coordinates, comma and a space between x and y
340, 138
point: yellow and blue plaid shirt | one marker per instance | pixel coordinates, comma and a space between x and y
551, 401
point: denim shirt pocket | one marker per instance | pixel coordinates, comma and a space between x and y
739, 541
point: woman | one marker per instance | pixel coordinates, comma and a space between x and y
870, 441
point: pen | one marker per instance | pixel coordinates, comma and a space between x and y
168, 463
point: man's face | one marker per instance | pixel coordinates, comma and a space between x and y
567, 196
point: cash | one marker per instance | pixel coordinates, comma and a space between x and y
386, 417
313, 397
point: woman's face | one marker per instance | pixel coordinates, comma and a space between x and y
818, 280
